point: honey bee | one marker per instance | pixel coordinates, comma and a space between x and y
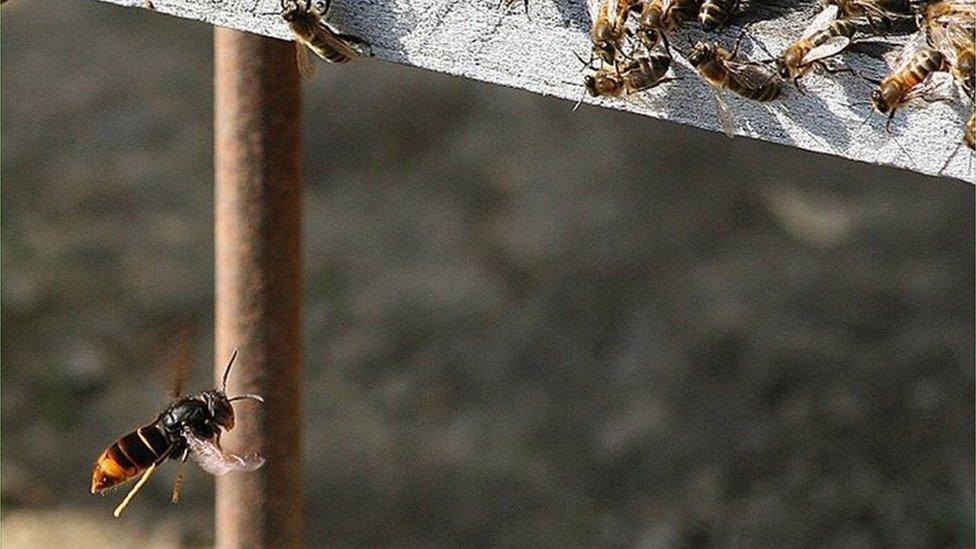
666, 15
640, 74
307, 22
609, 19
190, 426
881, 15
918, 74
750, 80
716, 13
950, 26
825, 37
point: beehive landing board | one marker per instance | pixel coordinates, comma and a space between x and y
482, 40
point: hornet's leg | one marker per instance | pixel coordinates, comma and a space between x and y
135, 490
179, 478
145, 478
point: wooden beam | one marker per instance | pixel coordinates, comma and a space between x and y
482, 40
257, 129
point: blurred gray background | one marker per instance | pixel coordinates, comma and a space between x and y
525, 326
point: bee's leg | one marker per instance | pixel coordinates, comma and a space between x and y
179, 477
627, 56
364, 47
352, 39
890, 118
586, 64
799, 88
831, 69
738, 41
580, 102
765, 50
664, 40
135, 490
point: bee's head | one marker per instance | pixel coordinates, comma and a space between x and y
292, 10
605, 51
652, 19
880, 101
783, 64
589, 81
701, 53
649, 37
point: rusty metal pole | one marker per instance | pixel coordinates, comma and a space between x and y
257, 157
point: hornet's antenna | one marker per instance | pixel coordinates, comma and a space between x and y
223, 385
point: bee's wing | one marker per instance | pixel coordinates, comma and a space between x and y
749, 75
958, 10
961, 31
943, 41
305, 66
908, 51
214, 461
597, 9
821, 21
937, 86
725, 118
873, 10
338, 42
954, 37
833, 46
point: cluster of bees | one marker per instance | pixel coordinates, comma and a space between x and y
630, 43
631, 52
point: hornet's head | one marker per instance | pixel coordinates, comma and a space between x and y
219, 404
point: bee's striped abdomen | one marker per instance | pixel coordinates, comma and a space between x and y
714, 13
839, 27
327, 51
129, 456
768, 91
762, 94
926, 61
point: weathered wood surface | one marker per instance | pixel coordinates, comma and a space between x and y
481, 40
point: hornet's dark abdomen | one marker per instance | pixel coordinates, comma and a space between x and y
131, 455
144, 445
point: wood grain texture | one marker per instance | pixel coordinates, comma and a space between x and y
480, 39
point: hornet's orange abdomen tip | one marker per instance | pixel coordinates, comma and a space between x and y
109, 472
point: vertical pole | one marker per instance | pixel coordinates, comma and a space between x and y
257, 112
